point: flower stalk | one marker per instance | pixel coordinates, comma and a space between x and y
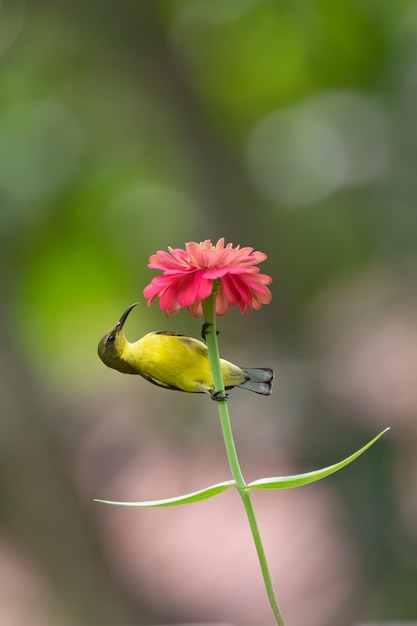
208, 306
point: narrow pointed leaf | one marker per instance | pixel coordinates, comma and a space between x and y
195, 496
286, 482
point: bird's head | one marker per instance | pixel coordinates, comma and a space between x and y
112, 345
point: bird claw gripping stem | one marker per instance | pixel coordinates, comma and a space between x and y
218, 396
204, 329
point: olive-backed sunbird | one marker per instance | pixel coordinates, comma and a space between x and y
176, 362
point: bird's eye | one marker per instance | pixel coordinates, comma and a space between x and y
111, 338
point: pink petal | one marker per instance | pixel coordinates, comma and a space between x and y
168, 299
162, 260
187, 290
245, 294
222, 302
195, 309
230, 290
205, 288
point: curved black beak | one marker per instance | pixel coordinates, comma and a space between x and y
122, 320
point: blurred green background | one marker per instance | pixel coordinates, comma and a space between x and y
126, 127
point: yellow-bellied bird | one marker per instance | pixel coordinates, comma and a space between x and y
175, 361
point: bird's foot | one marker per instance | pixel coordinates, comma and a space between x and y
218, 396
204, 329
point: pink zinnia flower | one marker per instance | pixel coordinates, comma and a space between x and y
188, 277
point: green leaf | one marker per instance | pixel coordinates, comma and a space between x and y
195, 496
286, 482
278, 482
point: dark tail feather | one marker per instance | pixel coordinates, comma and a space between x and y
259, 380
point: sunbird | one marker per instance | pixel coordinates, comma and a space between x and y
174, 361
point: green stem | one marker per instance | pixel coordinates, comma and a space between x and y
213, 349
